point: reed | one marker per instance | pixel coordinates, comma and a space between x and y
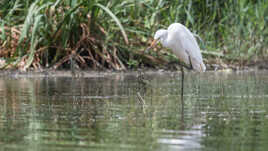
103, 34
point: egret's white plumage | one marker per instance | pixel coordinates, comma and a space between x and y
183, 44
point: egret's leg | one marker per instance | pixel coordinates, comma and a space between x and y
182, 101
182, 82
191, 66
185, 66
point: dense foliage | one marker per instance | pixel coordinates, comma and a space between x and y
103, 34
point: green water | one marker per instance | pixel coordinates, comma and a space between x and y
221, 112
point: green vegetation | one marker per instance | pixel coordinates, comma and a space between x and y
104, 34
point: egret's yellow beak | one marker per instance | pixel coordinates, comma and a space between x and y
152, 44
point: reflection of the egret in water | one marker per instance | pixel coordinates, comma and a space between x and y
188, 138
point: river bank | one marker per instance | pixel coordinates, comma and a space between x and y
136, 72
113, 35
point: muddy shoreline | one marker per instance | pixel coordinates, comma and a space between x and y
211, 64
106, 73
169, 68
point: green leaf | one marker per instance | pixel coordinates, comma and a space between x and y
34, 41
28, 20
2, 30
108, 11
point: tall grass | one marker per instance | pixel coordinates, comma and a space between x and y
103, 34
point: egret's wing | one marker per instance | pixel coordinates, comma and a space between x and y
189, 44
191, 47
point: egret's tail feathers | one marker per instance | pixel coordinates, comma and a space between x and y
202, 67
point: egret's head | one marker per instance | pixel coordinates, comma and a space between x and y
160, 35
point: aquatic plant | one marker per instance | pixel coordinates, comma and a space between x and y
103, 34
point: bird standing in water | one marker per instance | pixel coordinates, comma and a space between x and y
182, 42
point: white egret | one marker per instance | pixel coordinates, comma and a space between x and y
183, 44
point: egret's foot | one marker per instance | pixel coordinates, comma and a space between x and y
176, 65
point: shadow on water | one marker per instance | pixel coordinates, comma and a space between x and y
137, 111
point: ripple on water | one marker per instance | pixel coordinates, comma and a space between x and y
221, 112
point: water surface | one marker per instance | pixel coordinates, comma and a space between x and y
134, 111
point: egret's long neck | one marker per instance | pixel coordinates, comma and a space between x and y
164, 38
